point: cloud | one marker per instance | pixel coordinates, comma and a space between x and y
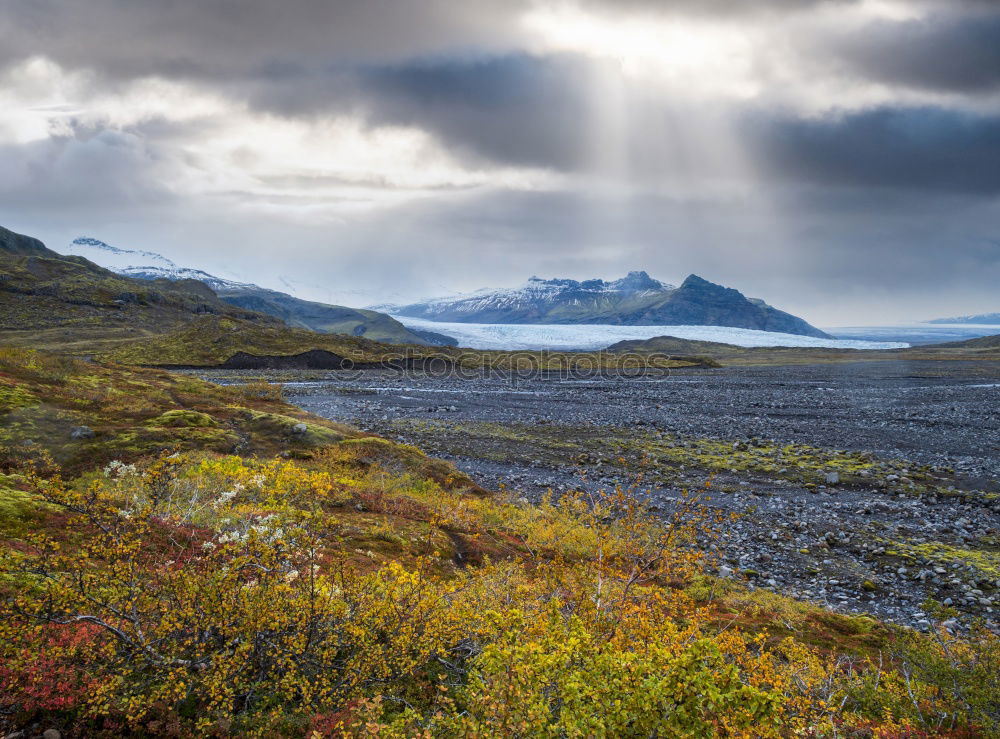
517, 109
712, 8
906, 148
67, 177
223, 39
777, 145
541, 111
947, 52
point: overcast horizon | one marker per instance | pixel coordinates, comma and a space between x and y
839, 159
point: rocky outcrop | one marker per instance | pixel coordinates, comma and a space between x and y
698, 302
320, 359
312, 359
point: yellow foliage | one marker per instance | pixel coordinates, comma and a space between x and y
213, 595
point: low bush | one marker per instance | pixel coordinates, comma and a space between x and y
203, 594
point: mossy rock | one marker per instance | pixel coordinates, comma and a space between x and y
401, 459
278, 427
844, 624
183, 419
130, 444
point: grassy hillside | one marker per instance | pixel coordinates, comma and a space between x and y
985, 348
211, 340
197, 585
321, 317
60, 302
983, 342
54, 301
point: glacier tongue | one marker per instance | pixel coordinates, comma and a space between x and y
597, 336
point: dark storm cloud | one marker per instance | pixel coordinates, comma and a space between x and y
712, 8
519, 109
907, 148
944, 53
235, 38
448, 68
535, 111
243, 40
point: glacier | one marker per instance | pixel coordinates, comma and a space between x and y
599, 336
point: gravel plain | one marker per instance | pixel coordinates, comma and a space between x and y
913, 513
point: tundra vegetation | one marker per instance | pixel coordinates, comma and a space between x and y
179, 558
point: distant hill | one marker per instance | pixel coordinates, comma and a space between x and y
18, 245
671, 345
60, 299
981, 348
982, 342
635, 300
987, 319
295, 312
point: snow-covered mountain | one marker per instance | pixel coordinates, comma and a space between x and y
115, 259
295, 312
634, 300
144, 265
982, 319
183, 273
535, 299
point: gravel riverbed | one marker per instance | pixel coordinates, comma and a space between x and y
889, 495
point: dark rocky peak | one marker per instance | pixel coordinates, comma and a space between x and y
636, 281
696, 281
25, 246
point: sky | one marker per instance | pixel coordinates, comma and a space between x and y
838, 158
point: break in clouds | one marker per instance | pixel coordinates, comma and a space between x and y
840, 158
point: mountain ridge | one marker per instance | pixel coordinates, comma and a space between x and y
295, 312
636, 299
67, 300
979, 319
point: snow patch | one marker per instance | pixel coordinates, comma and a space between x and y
144, 265
113, 258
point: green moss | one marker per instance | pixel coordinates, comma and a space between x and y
210, 340
985, 562
138, 412
663, 455
183, 419
16, 396
844, 624
137, 442
292, 430
406, 461
19, 511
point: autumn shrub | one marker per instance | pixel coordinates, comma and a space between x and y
39, 366
199, 595
964, 673
262, 390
